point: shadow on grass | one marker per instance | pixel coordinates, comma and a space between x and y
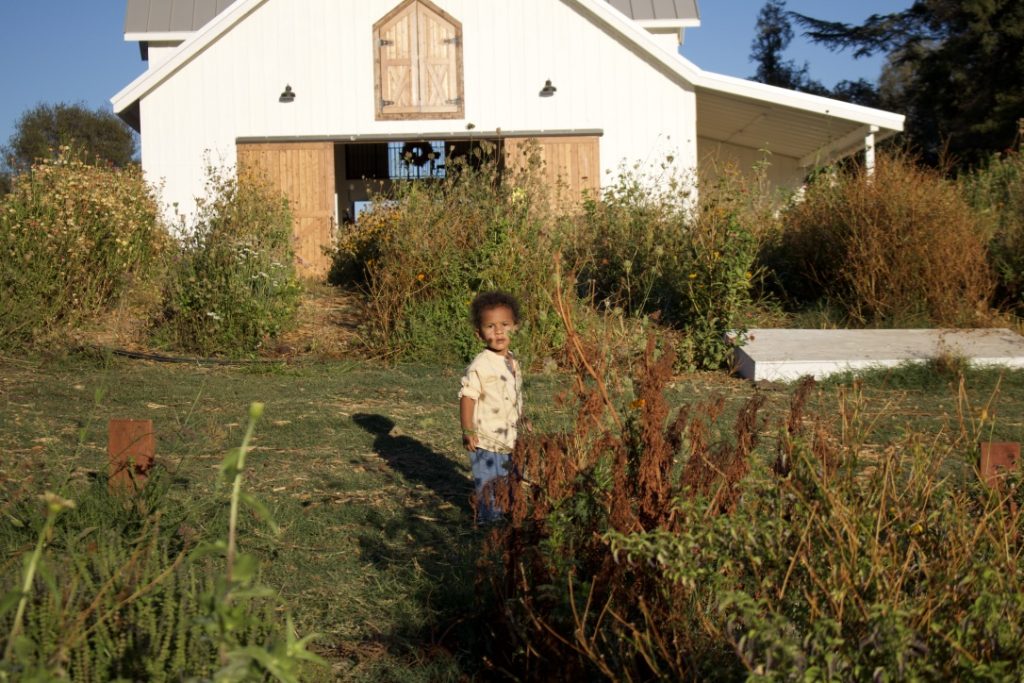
428, 556
416, 461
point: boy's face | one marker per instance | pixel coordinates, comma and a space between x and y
496, 327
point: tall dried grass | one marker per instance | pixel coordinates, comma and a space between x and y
899, 247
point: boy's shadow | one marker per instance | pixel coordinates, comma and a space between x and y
416, 462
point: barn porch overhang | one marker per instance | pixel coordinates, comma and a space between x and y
813, 130
808, 128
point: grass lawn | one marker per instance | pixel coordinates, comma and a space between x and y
362, 468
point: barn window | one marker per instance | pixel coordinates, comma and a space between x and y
418, 63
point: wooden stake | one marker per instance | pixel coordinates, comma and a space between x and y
998, 458
131, 446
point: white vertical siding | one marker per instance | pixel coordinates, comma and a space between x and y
159, 52
322, 48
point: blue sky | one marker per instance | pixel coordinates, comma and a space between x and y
74, 50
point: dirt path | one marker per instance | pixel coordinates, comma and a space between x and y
328, 323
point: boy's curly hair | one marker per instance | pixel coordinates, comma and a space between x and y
485, 301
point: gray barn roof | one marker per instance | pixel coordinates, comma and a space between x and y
647, 10
176, 16
171, 16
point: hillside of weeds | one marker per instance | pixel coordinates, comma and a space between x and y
642, 251
904, 246
697, 257
75, 238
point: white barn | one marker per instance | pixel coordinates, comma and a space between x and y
327, 96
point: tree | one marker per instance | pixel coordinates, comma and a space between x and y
955, 67
859, 91
772, 36
97, 135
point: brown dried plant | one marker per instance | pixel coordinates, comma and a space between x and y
794, 427
620, 469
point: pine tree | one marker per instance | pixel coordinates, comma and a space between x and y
773, 34
955, 67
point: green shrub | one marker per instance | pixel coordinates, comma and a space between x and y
894, 248
714, 280
428, 247
996, 192
632, 241
649, 247
73, 239
232, 284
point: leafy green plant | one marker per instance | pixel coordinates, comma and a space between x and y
996, 192
428, 247
54, 506
230, 615
74, 239
632, 239
714, 281
232, 284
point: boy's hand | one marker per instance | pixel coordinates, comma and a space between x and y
469, 441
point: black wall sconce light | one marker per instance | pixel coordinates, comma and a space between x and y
288, 95
548, 90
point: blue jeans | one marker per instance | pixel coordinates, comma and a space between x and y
490, 470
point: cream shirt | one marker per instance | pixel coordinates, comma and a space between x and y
499, 400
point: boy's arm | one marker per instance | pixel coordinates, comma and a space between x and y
467, 406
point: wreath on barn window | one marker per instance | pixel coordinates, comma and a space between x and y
417, 153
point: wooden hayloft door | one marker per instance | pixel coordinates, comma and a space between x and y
304, 173
418, 63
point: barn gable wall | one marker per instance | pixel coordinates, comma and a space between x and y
322, 49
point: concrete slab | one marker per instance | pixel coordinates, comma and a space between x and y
786, 354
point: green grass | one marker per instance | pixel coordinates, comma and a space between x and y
927, 398
377, 547
362, 468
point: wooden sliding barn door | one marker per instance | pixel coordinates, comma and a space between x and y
571, 163
304, 173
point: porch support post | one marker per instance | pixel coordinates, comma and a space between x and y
869, 151
837, 149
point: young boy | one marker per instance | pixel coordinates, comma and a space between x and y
491, 399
